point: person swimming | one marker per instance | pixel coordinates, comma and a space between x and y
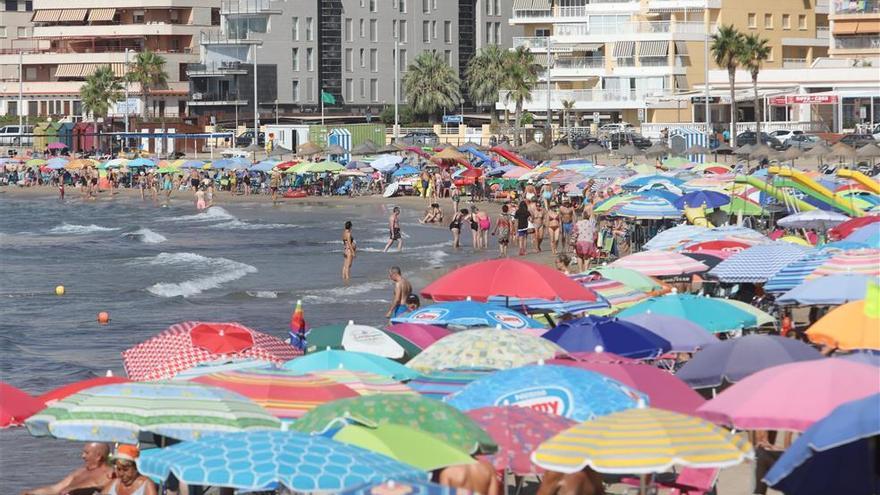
402, 290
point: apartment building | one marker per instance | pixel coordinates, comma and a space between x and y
855, 29
15, 24
346, 48
70, 40
632, 60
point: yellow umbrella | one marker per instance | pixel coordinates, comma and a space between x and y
854, 325
80, 164
795, 240
642, 441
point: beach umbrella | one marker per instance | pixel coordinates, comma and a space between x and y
657, 149
793, 274
565, 391
439, 384
818, 151
708, 258
357, 338
320, 167
722, 148
308, 148
628, 277
843, 230
674, 237
389, 148
486, 348
732, 360
351, 361
561, 150
761, 151
864, 357
708, 199
469, 314
641, 181
56, 163
407, 170
673, 162
449, 154
713, 314
386, 163
645, 207
842, 151
628, 150
115, 163
869, 235
726, 246
600, 333
518, 431
642, 441
192, 164
745, 149
279, 150
184, 345
758, 263
852, 326
65, 391
592, 150
660, 264
530, 147
404, 444
761, 317
427, 415
141, 162
123, 412
835, 455
35, 162
857, 261
618, 294
253, 461
663, 389
831, 290
420, 335
792, 396
335, 149
389, 487
368, 147
870, 150
508, 278
363, 382
265, 166
17, 405
697, 149
80, 164
792, 154
743, 206
814, 219
682, 335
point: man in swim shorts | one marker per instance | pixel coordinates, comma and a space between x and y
394, 233
402, 291
566, 216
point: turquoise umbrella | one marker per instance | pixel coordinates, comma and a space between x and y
263, 460
715, 315
351, 361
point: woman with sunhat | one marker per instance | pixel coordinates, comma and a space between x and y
128, 480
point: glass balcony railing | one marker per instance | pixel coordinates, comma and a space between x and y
856, 6
857, 42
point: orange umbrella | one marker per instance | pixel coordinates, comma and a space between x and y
80, 164
854, 325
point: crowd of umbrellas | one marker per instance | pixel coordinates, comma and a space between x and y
619, 384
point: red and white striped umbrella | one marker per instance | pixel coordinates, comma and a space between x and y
188, 344
660, 264
856, 262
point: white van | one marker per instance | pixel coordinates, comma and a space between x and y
9, 135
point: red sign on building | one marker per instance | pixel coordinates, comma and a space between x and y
803, 99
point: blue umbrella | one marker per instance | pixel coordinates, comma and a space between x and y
673, 237
794, 274
141, 162
439, 384
647, 207
734, 359
404, 487
56, 163
353, 361
869, 234
758, 264
263, 460
838, 454
647, 180
683, 335
709, 199
265, 166
543, 306
714, 315
469, 314
828, 291
565, 391
865, 357
193, 164
611, 334
405, 170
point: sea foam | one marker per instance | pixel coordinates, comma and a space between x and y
215, 272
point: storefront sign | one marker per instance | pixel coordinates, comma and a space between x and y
804, 99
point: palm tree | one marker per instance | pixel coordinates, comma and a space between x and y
567, 106
727, 47
485, 77
148, 69
755, 52
522, 76
431, 85
100, 91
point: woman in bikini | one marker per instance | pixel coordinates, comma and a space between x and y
458, 218
553, 225
475, 229
484, 223
349, 251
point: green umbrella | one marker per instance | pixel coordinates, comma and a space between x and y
427, 415
382, 343
762, 317
405, 444
35, 162
629, 278
320, 168
608, 204
746, 207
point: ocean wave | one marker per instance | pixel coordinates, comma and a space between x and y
147, 236
262, 294
344, 293
219, 271
67, 228
212, 214
240, 225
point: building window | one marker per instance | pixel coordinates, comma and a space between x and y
488, 8
374, 90
802, 22
30, 73
768, 21
349, 89
394, 29
489, 34
309, 28
401, 54
2, 31
447, 31
310, 59
294, 28
296, 90
434, 4
786, 21
137, 17
349, 59
349, 30
363, 88
426, 6
426, 32
309, 88
362, 57
433, 30
447, 56
402, 34
496, 6
22, 32
295, 59
770, 55
542, 32
10, 5
374, 30
402, 6
374, 60
373, 6
362, 30
753, 20
497, 33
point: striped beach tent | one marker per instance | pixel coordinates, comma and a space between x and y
660, 264
794, 274
682, 138
857, 261
341, 138
758, 263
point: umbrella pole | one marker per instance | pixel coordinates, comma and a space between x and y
643, 484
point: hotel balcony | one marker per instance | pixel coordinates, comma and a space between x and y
217, 37
846, 9
794, 63
582, 68
117, 30
589, 99
215, 99
855, 45
822, 7
682, 5
216, 69
244, 8
565, 35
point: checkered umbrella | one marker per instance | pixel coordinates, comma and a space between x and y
188, 344
758, 264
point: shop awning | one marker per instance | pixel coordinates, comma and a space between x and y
46, 16
868, 27
73, 15
653, 48
118, 69
531, 4
68, 70
681, 48
624, 49
101, 15
845, 27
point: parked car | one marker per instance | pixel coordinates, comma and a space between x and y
857, 140
247, 137
618, 127
581, 141
784, 135
803, 142
876, 132
618, 139
10, 134
750, 137
420, 138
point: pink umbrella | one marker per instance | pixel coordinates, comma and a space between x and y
660, 263
791, 396
420, 336
57, 145
599, 357
664, 390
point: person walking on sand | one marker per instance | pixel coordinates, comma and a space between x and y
539, 215
584, 238
502, 230
553, 226
349, 250
402, 290
567, 217
394, 233
522, 217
